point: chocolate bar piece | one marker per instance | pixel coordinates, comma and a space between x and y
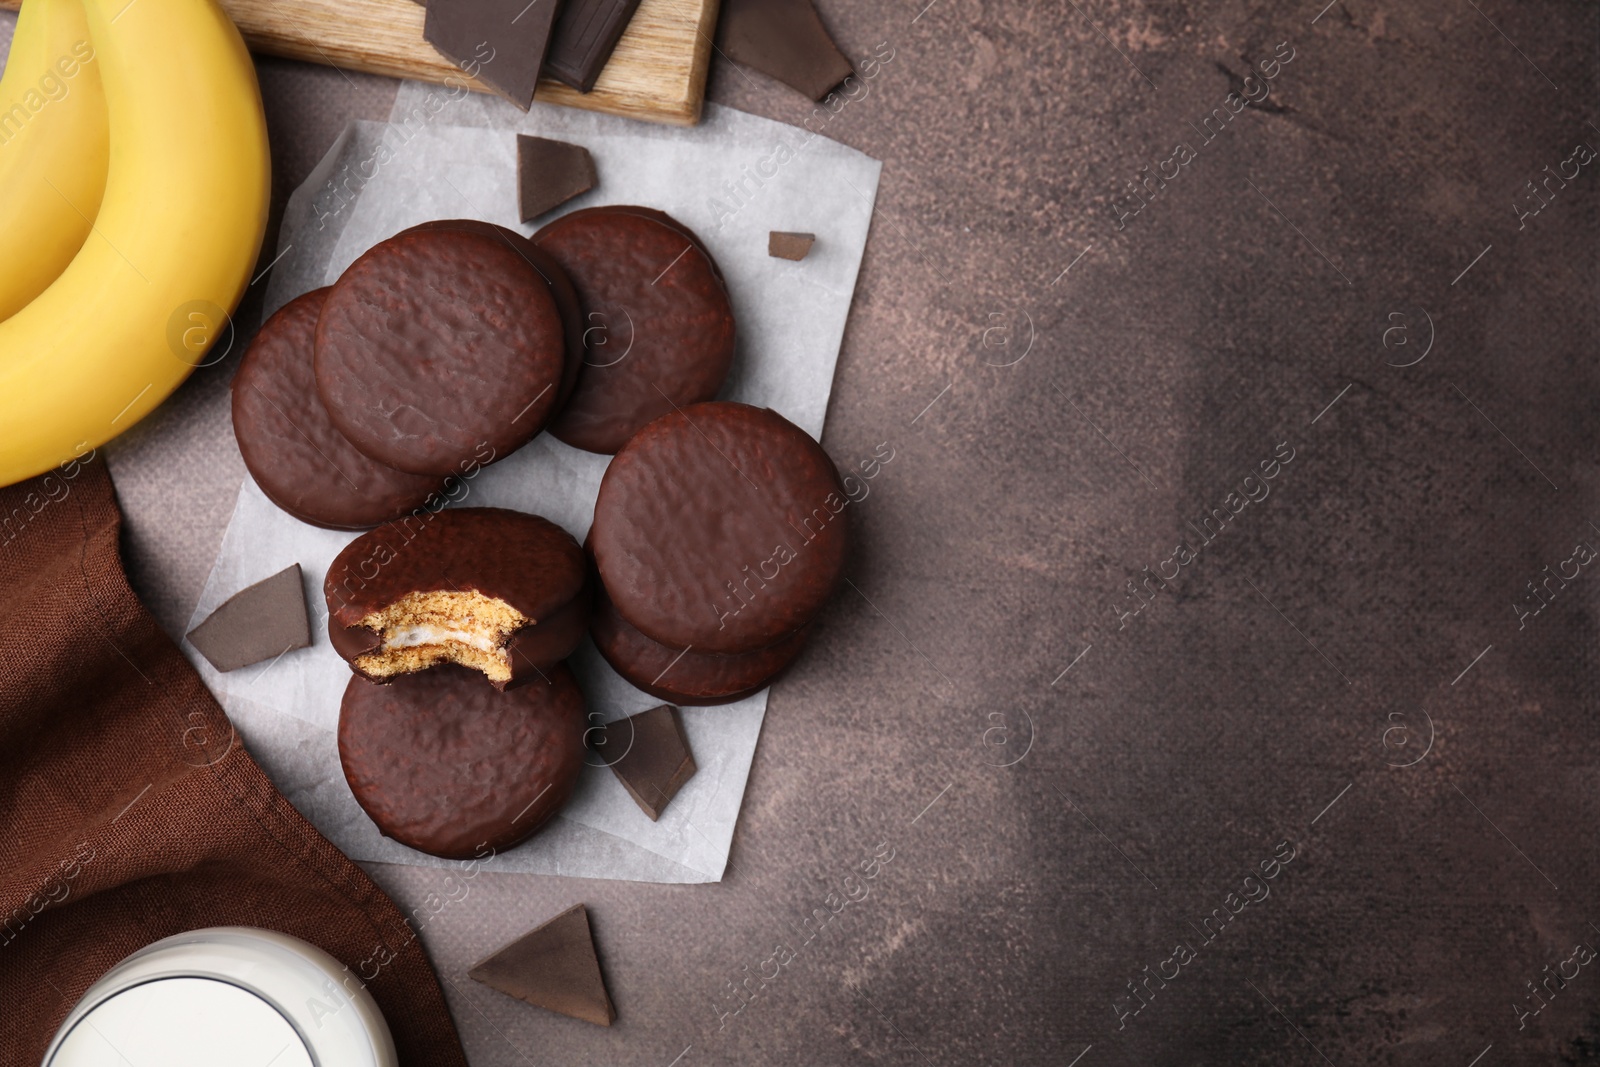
586, 33
781, 245
784, 39
549, 173
553, 967
651, 757
504, 40
259, 622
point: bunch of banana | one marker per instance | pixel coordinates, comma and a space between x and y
134, 179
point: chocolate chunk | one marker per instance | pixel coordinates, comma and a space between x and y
721, 528
652, 758
660, 325
549, 173
289, 444
784, 39
447, 765
683, 676
504, 40
499, 591
552, 967
586, 33
440, 350
259, 622
781, 245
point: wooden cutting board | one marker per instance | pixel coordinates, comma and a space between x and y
657, 73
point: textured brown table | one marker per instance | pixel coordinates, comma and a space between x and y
1273, 691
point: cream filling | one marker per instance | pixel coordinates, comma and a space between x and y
412, 636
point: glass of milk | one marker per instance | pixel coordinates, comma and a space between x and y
227, 996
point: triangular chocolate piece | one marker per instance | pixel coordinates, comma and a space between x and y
553, 967
260, 622
653, 761
784, 39
549, 173
504, 41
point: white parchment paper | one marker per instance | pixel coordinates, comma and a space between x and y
733, 178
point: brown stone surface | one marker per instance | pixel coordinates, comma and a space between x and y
1298, 661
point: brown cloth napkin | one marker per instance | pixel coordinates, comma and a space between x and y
129, 810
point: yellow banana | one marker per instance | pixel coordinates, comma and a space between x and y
172, 248
53, 148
